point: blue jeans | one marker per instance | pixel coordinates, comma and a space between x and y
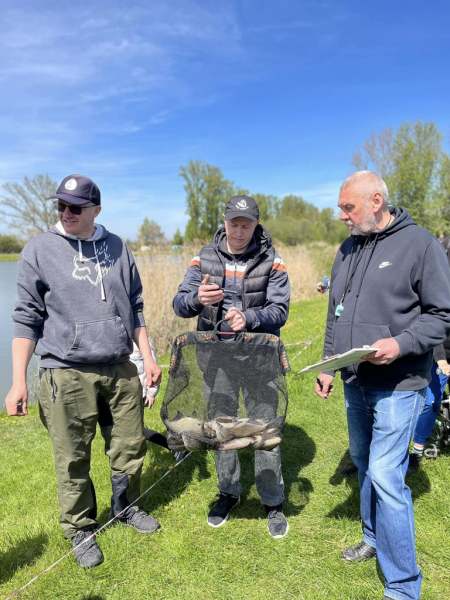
381, 425
430, 411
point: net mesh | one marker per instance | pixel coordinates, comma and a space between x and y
226, 395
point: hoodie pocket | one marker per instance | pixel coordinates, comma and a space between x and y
100, 341
347, 335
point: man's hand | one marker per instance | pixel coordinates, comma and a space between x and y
16, 401
324, 385
209, 294
388, 351
444, 367
153, 374
236, 319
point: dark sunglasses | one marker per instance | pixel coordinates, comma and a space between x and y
74, 210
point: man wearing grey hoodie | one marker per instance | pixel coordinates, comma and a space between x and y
79, 308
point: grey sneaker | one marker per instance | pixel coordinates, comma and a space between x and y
361, 551
89, 554
179, 455
220, 510
278, 526
139, 520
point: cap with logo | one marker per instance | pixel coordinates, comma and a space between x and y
78, 189
241, 206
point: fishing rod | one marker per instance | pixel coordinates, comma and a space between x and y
98, 530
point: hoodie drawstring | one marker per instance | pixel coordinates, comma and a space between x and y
80, 252
100, 273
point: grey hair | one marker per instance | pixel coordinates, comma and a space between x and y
368, 183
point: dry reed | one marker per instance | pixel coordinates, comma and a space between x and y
162, 274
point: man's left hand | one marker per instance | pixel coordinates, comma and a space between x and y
153, 374
236, 319
388, 351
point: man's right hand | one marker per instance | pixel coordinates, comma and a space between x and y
324, 385
16, 401
444, 367
209, 294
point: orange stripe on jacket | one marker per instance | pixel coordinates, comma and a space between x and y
239, 274
279, 266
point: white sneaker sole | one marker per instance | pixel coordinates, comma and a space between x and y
226, 518
278, 537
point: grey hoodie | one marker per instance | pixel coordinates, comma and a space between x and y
80, 300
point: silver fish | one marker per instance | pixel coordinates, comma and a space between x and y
271, 443
184, 424
190, 443
237, 443
248, 428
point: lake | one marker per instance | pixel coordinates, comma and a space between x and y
8, 275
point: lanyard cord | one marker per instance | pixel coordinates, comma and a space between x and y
349, 277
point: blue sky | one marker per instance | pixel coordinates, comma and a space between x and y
276, 93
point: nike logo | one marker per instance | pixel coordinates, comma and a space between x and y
385, 264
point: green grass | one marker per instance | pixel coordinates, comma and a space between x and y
9, 257
187, 560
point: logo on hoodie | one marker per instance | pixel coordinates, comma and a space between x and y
385, 264
88, 268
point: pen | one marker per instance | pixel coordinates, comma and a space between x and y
223, 289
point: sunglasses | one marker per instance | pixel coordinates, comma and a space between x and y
74, 210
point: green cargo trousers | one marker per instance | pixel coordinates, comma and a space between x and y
71, 403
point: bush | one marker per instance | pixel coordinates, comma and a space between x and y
10, 244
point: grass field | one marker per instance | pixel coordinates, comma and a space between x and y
187, 560
9, 257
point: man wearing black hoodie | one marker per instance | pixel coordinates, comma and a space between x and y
242, 260
390, 289
79, 308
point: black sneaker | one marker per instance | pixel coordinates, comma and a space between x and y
220, 510
361, 551
139, 520
89, 554
414, 462
278, 526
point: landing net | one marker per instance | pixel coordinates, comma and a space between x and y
226, 395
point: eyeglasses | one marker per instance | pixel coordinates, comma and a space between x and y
74, 210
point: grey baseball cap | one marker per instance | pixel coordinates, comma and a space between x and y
78, 189
241, 206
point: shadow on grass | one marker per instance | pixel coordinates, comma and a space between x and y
419, 484
93, 598
173, 484
25, 553
297, 451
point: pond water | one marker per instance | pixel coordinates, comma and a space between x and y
8, 275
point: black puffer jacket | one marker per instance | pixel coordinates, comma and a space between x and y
258, 276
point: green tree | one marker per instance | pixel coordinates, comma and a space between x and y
150, 233
177, 238
26, 206
9, 244
207, 192
414, 167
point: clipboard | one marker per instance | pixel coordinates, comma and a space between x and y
338, 361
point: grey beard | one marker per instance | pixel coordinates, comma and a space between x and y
367, 226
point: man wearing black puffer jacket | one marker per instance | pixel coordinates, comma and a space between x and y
244, 281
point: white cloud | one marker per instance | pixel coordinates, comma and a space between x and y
324, 195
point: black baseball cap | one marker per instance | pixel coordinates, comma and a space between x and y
78, 189
241, 206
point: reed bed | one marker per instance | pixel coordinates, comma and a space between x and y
161, 275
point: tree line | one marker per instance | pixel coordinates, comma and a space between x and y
411, 160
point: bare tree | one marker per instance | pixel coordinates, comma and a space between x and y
26, 206
376, 153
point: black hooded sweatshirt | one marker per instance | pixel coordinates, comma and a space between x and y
393, 283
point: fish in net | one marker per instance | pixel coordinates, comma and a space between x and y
226, 395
